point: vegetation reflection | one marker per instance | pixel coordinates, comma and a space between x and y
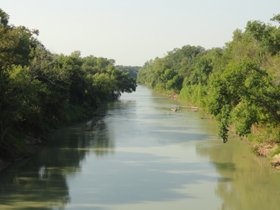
41, 183
248, 182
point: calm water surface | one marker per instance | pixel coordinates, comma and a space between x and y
137, 155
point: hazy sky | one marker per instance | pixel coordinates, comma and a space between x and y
134, 31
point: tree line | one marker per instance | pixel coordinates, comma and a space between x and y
40, 90
238, 84
131, 70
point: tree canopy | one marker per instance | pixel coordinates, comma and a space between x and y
40, 90
238, 84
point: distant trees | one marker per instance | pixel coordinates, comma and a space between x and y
40, 90
239, 84
169, 72
131, 70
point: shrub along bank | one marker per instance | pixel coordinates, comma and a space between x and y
239, 84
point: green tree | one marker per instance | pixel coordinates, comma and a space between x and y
40, 91
4, 18
244, 95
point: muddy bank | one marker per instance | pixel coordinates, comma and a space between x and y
267, 150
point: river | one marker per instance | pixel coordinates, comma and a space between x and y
138, 155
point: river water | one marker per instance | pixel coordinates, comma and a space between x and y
138, 155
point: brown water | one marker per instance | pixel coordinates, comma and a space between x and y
138, 155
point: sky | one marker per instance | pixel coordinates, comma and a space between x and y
134, 31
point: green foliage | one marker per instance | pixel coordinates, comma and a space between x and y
204, 66
131, 70
168, 73
268, 36
239, 85
243, 95
245, 47
4, 18
276, 18
40, 90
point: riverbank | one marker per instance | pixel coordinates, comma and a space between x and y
263, 141
42, 91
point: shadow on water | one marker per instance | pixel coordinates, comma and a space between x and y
127, 177
137, 152
40, 182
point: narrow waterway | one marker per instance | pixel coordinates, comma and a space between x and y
138, 155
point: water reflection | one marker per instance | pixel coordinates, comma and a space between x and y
40, 182
26, 188
139, 155
251, 184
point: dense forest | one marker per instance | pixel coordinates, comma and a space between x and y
40, 91
238, 84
